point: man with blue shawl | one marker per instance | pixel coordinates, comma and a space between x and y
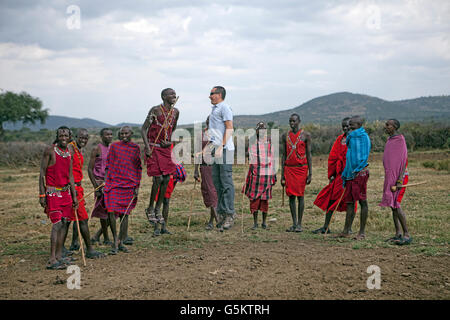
356, 175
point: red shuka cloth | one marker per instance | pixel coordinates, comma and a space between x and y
77, 169
329, 196
123, 175
59, 203
161, 161
295, 169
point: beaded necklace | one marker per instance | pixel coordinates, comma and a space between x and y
62, 153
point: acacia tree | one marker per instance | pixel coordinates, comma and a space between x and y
20, 107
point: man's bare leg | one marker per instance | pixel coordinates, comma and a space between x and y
55, 241
255, 220
301, 209
293, 209
165, 213
364, 214
162, 192
123, 233
349, 216
75, 245
112, 225
90, 252
264, 217
150, 209
402, 218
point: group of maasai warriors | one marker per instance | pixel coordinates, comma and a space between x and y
115, 172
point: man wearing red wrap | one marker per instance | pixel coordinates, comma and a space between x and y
296, 169
75, 148
328, 197
123, 173
57, 193
157, 133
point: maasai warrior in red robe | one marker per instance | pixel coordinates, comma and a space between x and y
328, 198
395, 162
157, 134
123, 177
96, 170
81, 213
296, 168
207, 187
261, 175
57, 194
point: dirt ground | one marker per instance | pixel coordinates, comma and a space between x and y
257, 265
286, 269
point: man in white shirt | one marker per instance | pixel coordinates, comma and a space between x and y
221, 138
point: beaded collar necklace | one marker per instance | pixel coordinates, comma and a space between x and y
62, 153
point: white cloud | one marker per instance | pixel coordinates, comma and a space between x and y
268, 55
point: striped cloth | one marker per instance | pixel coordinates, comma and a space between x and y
358, 149
123, 176
261, 176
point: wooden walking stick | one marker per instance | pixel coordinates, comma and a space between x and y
79, 237
242, 214
86, 196
332, 214
192, 205
126, 210
394, 188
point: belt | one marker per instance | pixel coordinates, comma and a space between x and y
154, 144
52, 189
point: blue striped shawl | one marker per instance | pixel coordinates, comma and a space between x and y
358, 149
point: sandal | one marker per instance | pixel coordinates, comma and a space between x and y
128, 241
394, 238
403, 241
298, 229
165, 231
263, 225
57, 266
359, 237
151, 217
291, 229
74, 247
123, 248
94, 255
321, 230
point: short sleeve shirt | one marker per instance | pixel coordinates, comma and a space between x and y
219, 114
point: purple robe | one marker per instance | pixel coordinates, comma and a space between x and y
395, 159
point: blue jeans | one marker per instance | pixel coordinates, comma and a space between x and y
223, 181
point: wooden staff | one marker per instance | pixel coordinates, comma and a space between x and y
192, 205
102, 185
394, 188
342, 196
242, 214
128, 207
79, 237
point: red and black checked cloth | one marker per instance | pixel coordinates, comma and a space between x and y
124, 172
261, 175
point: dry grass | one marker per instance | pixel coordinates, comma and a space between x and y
25, 229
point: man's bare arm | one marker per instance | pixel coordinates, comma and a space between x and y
94, 154
308, 157
43, 169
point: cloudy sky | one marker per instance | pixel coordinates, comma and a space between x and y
109, 60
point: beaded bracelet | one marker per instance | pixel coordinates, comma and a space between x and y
42, 196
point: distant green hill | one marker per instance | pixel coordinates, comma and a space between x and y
326, 109
54, 122
332, 108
